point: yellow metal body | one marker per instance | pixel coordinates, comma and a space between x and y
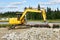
14, 21
21, 19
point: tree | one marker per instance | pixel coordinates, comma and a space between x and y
57, 14
25, 8
39, 16
49, 14
38, 6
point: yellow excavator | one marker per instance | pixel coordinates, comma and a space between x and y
21, 19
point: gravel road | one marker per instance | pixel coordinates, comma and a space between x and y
30, 34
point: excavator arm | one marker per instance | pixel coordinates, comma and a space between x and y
33, 10
44, 14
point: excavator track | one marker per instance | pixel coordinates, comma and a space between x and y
40, 25
35, 25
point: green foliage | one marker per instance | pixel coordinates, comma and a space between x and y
33, 16
5, 25
8, 14
53, 14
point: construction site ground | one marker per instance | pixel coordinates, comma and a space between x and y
45, 33
56, 32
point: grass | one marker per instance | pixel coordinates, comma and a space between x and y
5, 25
56, 20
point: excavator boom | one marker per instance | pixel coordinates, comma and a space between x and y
33, 10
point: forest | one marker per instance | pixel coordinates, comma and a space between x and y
51, 14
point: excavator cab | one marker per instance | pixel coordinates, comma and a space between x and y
18, 16
24, 19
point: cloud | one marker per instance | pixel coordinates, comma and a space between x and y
44, 3
43, 6
11, 7
12, 4
2, 7
56, 0
50, 2
17, 3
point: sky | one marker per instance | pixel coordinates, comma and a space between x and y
19, 5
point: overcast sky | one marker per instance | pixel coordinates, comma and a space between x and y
18, 5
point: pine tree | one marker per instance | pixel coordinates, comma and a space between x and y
38, 6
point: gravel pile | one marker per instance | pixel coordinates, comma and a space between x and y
34, 34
